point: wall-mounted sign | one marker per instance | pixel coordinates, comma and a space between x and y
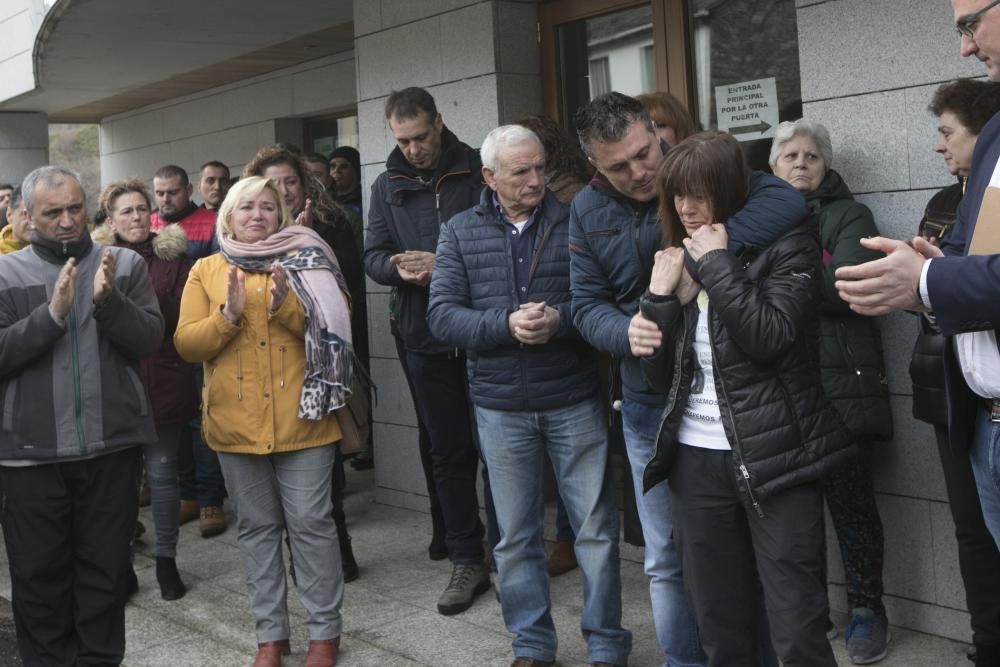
747, 110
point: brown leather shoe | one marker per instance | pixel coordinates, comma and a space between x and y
269, 653
189, 512
322, 652
213, 521
562, 559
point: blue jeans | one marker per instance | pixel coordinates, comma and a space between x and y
575, 438
676, 628
198, 466
985, 457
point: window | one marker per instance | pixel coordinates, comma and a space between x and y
600, 77
745, 58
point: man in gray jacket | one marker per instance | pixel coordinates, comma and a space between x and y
75, 319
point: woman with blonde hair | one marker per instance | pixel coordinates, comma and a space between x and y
268, 318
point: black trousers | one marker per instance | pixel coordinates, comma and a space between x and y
724, 548
442, 401
978, 556
68, 530
850, 495
424, 447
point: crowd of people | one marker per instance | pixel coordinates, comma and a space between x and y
550, 294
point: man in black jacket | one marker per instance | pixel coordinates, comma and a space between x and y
430, 176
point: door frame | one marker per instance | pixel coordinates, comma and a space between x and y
671, 39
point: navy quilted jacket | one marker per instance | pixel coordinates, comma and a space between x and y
473, 292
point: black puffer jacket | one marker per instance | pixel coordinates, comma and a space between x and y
851, 356
406, 212
762, 324
930, 402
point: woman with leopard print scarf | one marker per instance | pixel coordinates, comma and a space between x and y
269, 318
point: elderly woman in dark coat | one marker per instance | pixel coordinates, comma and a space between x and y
853, 375
169, 380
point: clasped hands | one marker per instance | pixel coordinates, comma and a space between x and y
670, 276
64, 290
236, 291
533, 323
414, 266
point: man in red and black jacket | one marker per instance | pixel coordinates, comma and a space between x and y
202, 486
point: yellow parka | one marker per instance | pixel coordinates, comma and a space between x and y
8, 243
253, 370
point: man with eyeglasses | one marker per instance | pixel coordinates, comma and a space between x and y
958, 285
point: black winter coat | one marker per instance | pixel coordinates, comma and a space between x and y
406, 212
930, 402
762, 324
473, 293
850, 344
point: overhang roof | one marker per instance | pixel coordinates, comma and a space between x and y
95, 58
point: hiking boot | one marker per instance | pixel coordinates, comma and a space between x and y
867, 636
188, 512
169, 579
467, 581
562, 559
213, 521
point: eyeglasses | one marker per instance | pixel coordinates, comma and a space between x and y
966, 26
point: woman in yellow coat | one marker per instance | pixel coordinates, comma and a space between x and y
268, 318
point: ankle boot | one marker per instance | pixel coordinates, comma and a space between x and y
169, 579
322, 652
347, 562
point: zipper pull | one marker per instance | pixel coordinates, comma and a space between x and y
437, 201
746, 473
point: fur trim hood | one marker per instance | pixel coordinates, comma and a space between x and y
169, 244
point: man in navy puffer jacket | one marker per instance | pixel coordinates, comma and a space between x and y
500, 290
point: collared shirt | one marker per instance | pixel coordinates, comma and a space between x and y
522, 245
977, 352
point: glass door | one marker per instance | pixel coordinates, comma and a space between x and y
591, 47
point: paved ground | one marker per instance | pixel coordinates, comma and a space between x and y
389, 613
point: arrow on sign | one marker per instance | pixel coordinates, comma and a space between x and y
761, 127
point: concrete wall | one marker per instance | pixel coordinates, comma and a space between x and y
19, 23
24, 144
228, 123
480, 60
868, 76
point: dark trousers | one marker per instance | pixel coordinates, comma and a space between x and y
424, 447
68, 530
724, 548
978, 556
441, 399
850, 495
198, 470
